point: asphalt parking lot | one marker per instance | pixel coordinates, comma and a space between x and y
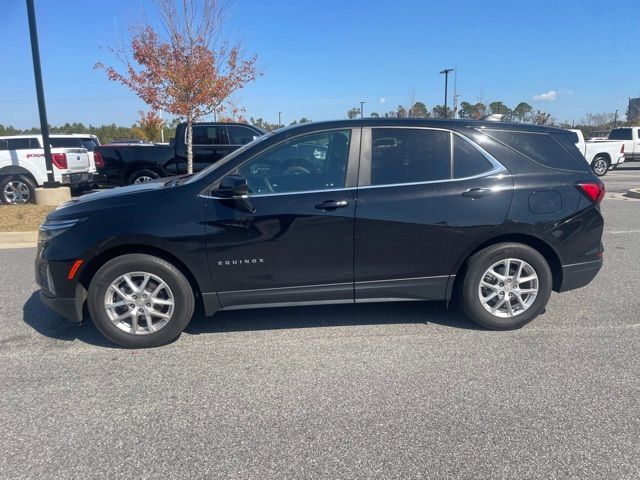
405, 390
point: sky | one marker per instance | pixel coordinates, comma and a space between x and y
321, 58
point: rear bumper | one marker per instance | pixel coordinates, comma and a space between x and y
579, 274
76, 179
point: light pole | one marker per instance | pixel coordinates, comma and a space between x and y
446, 72
362, 109
279, 119
44, 125
615, 119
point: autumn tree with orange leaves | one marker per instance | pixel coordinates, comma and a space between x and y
149, 126
186, 69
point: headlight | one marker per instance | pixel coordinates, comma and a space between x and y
52, 228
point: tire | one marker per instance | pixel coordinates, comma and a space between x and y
164, 330
477, 269
600, 166
17, 190
142, 176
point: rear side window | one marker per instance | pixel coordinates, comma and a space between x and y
542, 148
209, 135
621, 134
467, 160
22, 143
404, 155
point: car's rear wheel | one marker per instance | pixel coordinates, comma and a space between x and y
17, 190
506, 286
140, 301
142, 176
600, 166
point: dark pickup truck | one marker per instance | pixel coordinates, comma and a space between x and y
125, 164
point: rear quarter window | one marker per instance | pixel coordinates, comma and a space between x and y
555, 151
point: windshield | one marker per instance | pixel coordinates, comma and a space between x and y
228, 158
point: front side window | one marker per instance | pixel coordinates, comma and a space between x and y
240, 135
312, 162
209, 135
404, 155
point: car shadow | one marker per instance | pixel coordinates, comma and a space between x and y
330, 316
49, 324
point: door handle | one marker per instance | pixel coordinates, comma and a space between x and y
477, 192
332, 204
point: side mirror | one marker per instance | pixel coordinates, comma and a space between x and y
235, 187
232, 186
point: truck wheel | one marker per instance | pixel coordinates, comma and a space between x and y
600, 166
17, 189
140, 301
143, 175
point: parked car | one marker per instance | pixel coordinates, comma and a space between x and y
77, 140
600, 155
490, 214
127, 164
23, 168
630, 136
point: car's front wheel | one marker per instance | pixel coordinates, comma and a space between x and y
506, 286
140, 301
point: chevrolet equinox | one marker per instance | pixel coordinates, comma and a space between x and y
492, 215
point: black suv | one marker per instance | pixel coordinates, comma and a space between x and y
493, 215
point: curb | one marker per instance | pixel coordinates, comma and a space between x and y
633, 193
18, 239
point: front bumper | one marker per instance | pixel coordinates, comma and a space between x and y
62, 296
579, 274
69, 308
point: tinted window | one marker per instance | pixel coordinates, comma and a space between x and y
467, 160
542, 148
68, 142
3, 145
568, 141
89, 143
400, 155
240, 135
311, 162
22, 143
620, 134
209, 135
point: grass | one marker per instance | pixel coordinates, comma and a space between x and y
22, 218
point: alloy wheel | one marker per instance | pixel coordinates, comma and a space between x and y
508, 288
16, 191
139, 303
143, 179
600, 167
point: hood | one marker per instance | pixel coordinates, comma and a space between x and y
118, 197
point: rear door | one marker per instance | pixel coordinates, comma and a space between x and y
425, 196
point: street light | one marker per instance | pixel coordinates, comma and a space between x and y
446, 72
279, 119
615, 119
44, 125
362, 109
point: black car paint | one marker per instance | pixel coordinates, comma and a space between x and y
120, 161
391, 242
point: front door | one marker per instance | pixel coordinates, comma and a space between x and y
425, 197
294, 244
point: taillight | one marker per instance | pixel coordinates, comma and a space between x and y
594, 191
622, 148
98, 160
59, 160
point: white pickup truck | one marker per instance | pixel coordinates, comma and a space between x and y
601, 155
22, 167
630, 136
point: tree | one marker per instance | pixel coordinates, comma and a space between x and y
541, 118
263, 125
522, 111
374, 115
185, 70
401, 112
439, 112
419, 110
353, 112
149, 126
472, 111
